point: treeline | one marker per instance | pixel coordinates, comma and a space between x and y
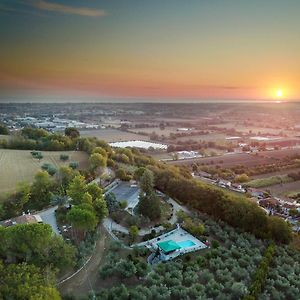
190, 145
237, 212
33, 196
39, 139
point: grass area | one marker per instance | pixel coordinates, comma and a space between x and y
292, 194
268, 181
18, 165
113, 135
5, 137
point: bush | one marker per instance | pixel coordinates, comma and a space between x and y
74, 165
49, 168
215, 244
64, 157
123, 204
36, 154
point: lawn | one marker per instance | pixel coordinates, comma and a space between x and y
19, 165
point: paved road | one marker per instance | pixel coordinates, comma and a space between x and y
48, 217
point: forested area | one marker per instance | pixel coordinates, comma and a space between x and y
33, 256
237, 212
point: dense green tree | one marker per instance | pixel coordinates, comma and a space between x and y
87, 199
142, 268
72, 132
119, 293
77, 189
149, 203
149, 206
123, 175
15, 202
97, 161
133, 232
94, 190
279, 230
34, 133
140, 293
101, 151
36, 244
27, 282
82, 219
125, 268
242, 178
194, 228
138, 173
41, 190
111, 202
4, 130
66, 175
147, 182
100, 208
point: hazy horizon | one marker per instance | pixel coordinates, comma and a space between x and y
206, 50
87, 100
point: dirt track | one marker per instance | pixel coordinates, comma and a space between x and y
86, 279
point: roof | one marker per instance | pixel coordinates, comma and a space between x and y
26, 219
168, 246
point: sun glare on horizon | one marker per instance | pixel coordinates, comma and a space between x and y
279, 93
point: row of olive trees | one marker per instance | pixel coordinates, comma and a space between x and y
225, 272
283, 278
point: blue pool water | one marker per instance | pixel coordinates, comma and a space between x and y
186, 244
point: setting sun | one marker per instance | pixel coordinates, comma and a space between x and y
279, 93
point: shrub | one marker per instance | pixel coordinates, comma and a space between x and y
73, 165
64, 157
123, 204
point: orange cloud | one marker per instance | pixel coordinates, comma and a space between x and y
66, 9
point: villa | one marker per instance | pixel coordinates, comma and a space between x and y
172, 244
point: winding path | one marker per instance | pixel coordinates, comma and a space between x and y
85, 280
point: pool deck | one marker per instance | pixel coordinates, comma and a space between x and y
177, 235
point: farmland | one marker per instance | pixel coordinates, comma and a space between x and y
157, 130
249, 160
281, 190
269, 181
281, 172
229, 160
19, 166
254, 129
113, 135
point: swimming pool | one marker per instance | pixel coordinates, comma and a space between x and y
186, 244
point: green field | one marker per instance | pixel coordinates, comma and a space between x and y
19, 165
269, 181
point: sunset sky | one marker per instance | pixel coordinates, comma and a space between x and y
150, 49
